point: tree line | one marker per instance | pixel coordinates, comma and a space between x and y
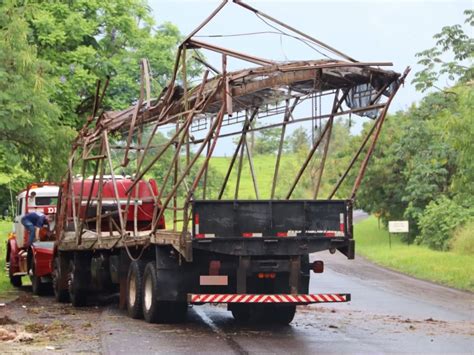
51, 55
423, 167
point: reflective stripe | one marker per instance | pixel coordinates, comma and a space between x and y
276, 298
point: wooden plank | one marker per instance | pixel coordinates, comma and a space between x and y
90, 240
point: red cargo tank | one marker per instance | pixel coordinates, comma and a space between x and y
143, 199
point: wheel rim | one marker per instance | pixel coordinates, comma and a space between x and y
148, 294
132, 290
31, 272
70, 280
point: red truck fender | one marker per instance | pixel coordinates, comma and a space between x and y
43, 253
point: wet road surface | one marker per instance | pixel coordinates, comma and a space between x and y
390, 313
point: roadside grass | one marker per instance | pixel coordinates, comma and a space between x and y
5, 228
463, 239
447, 268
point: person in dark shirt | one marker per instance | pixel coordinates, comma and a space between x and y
33, 222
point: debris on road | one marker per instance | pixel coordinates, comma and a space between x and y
6, 320
6, 335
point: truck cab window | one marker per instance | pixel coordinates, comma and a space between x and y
19, 207
46, 201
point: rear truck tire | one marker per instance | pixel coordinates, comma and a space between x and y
60, 294
241, 312
135, 289
77, 293
263, 313
179, 312
282, 314
155, 311
151, 307
37, 286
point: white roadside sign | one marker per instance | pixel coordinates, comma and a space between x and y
398, 227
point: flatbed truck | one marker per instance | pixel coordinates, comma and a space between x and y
163, 238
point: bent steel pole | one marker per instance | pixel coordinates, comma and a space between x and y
382, 116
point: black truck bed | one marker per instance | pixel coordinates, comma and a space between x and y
273, 227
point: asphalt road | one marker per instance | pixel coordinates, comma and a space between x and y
389, 313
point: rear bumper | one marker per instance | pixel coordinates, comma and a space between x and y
282, 298
274, 245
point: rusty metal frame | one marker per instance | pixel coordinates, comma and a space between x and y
271, 91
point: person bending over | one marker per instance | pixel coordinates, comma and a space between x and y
33, 222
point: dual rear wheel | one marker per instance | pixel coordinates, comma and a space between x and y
37, 286
142, 296
60, 279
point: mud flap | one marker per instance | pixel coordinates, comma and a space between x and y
348, 251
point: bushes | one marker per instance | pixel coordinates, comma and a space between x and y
439, 221
463, 239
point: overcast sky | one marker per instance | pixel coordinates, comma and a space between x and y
365, 30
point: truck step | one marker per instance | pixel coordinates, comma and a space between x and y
20, 274
280, 298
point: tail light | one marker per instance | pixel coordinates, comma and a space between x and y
318, 266
266, 275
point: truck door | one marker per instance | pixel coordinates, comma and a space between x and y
19, 229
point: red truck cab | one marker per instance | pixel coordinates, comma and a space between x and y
35, 260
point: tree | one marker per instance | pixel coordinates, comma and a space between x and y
425, 154
51, 55
454, 41
422, 155
267, 141
382, 189
84, 41
30, 132
299, 140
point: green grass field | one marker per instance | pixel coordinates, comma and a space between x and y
5, 228
264, 166
447, 268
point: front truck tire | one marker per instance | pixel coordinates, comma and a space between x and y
155, 311
14, 280
60, 279
135, 289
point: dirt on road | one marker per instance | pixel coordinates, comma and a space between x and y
32, 324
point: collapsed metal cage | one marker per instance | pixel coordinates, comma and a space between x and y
224, 104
